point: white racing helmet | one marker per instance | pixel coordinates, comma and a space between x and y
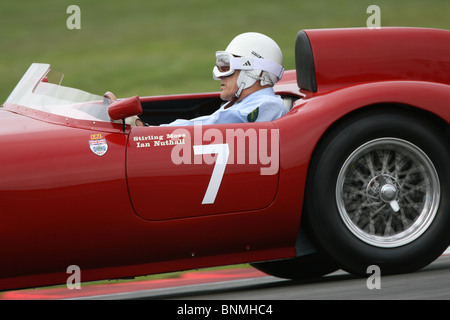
256, 55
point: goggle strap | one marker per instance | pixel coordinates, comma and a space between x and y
242, 63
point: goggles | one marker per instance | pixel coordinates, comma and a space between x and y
226, 64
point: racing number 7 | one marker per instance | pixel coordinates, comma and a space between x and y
222, 151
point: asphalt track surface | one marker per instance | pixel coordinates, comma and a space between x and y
432, 282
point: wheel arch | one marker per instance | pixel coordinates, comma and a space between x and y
404, 108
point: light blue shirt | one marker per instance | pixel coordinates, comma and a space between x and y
262, 105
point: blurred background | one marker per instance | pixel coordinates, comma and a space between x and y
155, 47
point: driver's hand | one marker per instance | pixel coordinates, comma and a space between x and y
140, 123
109, 95
134, 121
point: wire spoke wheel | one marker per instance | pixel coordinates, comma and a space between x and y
387, 192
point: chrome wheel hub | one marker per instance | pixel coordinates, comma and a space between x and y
383, 187
388, 193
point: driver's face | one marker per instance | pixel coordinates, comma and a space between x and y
228, 86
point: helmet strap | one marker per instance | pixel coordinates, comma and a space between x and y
244, 81
239, 91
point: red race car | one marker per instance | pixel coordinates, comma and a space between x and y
357, 173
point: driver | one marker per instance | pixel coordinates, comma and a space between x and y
248, 69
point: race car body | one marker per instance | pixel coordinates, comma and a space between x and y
355, 174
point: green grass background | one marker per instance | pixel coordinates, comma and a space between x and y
153, 47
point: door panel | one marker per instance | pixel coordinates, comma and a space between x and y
180, 172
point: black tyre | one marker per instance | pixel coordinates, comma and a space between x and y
378, 193
305, 267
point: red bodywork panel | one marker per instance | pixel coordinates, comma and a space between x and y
178, 177
69, 206
133, 210
345, 57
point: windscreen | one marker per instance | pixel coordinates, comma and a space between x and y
40, 88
